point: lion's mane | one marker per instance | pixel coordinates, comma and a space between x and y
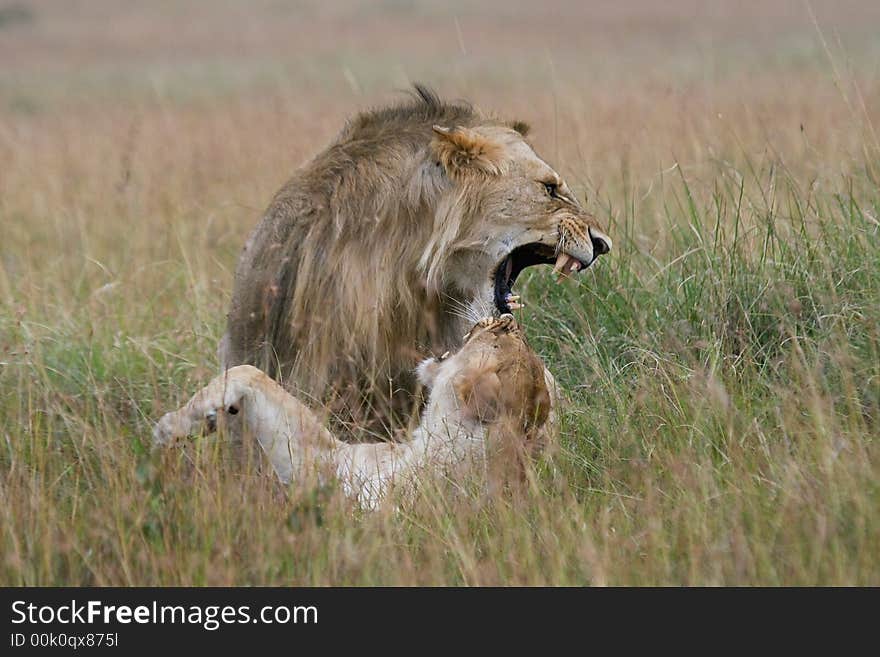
342, 285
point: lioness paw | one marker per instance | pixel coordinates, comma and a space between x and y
173, 427
167, 431
506, 322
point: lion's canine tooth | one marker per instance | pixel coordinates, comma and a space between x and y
561, 259
565, 265
513, 305
559, 269
562, 267
512, 297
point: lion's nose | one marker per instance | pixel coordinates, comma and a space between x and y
601, 242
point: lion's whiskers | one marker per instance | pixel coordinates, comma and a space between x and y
465, 311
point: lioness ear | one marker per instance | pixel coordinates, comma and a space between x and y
479, 395
461, 150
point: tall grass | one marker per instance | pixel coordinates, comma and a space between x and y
722, 364
722, 425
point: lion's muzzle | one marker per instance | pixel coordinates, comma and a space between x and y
579, 245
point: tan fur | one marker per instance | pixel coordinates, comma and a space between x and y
490, 398
384, 247
462, 151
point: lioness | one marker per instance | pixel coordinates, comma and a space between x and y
412, 224
492, 388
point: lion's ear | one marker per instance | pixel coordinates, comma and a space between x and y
521, 127
461, 150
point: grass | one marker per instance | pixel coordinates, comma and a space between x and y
722, 365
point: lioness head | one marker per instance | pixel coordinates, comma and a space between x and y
495, 378
517, 211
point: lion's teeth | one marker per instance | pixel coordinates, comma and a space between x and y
565, 265
513, 301
561, 260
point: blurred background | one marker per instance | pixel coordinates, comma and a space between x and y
270, 81
207, 106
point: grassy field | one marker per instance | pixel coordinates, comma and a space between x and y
722, 365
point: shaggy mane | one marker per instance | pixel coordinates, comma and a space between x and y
342, 284
423, 107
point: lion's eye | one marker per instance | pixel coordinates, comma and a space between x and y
552, 189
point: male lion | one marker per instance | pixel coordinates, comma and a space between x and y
489, 399
414, 222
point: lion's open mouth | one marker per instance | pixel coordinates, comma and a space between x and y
524, 256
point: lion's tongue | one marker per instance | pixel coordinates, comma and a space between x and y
565, 265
